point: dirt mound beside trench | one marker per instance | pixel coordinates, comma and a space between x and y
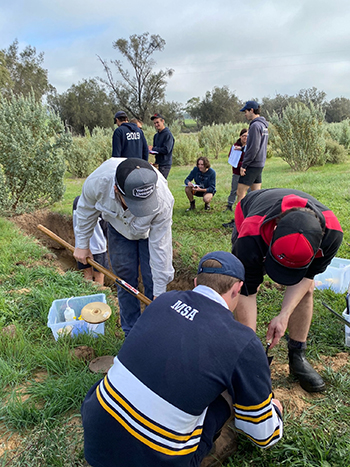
57, 223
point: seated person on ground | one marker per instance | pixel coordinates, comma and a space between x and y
204, 183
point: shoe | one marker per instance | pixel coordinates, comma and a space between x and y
225, 446
229, 225
207, 207
229, 208
192, 206
299, 367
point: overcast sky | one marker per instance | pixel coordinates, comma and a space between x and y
257, 48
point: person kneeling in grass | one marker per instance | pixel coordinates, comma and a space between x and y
204, 183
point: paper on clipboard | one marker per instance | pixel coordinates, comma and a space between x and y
234, 157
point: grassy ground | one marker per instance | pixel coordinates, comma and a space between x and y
42, 384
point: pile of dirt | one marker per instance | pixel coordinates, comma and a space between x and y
57, 223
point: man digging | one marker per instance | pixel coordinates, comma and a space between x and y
185, 370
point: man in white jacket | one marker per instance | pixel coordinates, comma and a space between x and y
135, 200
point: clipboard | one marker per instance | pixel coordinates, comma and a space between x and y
234, 157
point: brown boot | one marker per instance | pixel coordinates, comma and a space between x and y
225, 446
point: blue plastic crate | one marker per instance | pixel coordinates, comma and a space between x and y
336, 276
58, 325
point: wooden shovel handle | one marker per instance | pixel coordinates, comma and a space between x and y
97, 266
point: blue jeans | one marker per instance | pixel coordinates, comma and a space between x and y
126, 256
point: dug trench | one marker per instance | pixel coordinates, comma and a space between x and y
295, 400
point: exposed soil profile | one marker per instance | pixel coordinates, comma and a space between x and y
63, 227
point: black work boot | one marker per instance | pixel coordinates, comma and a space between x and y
192, 206
207, 207
299, 367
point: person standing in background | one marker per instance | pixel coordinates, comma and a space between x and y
128, 139
163, 144
255, 152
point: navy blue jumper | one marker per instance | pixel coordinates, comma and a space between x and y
129, 141
163, 144
203, 179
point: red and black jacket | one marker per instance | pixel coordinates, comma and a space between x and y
255, 220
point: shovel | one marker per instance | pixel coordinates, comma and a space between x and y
100, 268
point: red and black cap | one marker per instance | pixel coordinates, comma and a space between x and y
157, 116
295, 242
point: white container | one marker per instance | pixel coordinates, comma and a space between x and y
347, 328
59, 326
336, 276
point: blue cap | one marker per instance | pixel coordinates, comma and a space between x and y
250, 105
230, 265
119, 114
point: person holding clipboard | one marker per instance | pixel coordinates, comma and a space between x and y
236, 159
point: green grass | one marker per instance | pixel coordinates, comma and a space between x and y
42, 385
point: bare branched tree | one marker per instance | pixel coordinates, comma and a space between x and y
140, 91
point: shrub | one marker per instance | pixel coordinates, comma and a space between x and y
335, 152
186, 149
32, 141
149, 132
89, 151
300, 139
214, 139
340, 132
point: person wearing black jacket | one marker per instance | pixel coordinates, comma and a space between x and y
290, 236
128, 139
163, 144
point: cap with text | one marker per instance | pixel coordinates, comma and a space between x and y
136, 180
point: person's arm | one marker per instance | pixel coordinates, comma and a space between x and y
211, 188
145, 151
257, 414
292, 297
86, 219
190, 177
252, 147
116, 144
166, 144
160, 244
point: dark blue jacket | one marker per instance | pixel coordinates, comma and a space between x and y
163, 144
256, 148
129, 141
203, 179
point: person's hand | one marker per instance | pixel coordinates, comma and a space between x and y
276, 329
238, 148
80, 254
150, 148
278, 405
189, 184
242, 171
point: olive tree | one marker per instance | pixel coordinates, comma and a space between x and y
32, 141
299, 136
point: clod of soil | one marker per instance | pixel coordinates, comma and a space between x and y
101, 364
84, 353
9, 330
